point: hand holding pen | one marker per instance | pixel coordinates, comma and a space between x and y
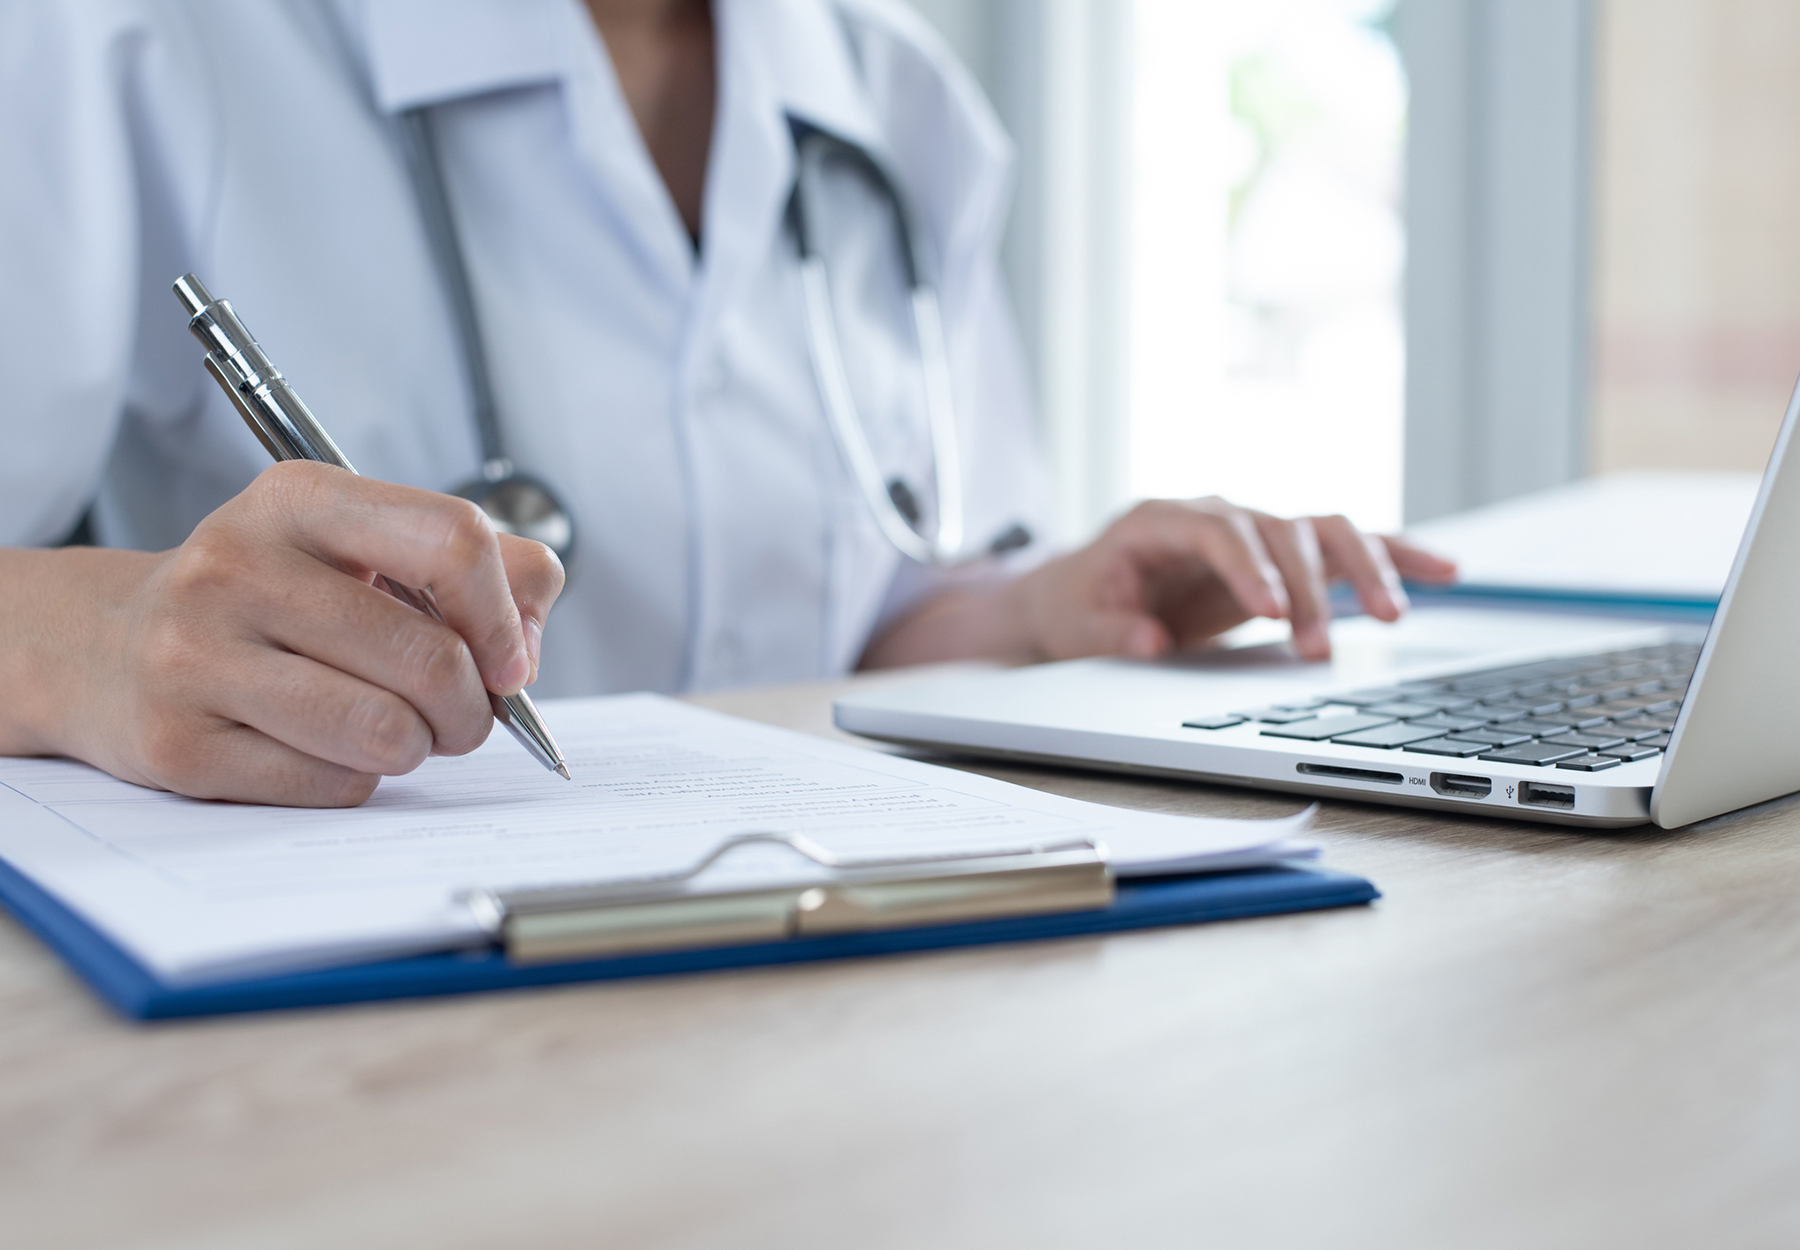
260, 661
288, 430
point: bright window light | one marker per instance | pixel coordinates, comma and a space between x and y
1267, 349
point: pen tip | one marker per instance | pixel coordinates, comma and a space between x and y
563, 769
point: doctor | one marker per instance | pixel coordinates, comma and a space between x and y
619, 177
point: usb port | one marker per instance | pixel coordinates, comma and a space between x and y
1461, 785
1539, 794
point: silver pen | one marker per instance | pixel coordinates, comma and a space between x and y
290, 432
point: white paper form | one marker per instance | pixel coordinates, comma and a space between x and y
200, 891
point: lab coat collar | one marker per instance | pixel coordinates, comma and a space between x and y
776, 59
810, 69
428, 51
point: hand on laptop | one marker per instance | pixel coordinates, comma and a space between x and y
1170, 575
1165, 576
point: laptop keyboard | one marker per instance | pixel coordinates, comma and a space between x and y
1585, 713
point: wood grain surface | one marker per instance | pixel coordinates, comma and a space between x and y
1537, 1038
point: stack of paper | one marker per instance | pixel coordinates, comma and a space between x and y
1656, 536
199, 891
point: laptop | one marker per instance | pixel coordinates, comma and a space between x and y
1592, 721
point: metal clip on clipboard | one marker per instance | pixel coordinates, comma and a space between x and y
660, 913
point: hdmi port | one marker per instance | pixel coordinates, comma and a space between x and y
1461, 785
1538, 794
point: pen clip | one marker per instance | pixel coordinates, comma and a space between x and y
270, 438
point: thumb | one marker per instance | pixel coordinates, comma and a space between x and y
1130, 634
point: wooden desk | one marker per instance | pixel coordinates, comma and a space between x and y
1537, 1039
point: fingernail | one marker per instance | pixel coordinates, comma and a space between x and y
534, 643
512, 678
1312, 642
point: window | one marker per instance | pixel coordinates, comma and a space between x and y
1266, 358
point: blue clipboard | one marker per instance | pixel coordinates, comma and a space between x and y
1677, 608
1142, 903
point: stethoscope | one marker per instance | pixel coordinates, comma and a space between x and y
520, 504
894, 502
515, 502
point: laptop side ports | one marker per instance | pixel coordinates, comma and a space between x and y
1541, 794
1462, 785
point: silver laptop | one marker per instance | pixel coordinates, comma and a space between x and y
1567, 719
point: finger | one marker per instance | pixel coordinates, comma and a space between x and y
376, 644
239, 764
1294, 547
1361, 560
1417, 564
1216, 535
418, 537
536, 576
325, 713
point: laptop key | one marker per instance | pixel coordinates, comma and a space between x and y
1632, 751
1442, 702
1399, 710
1501, 737
1541, 727
1660, 742
1447, 746
1663, 720
1446, 722
1541, 706
1633, 732
1386, 736
1363, 698
1532, 753
1593, 741
1320, 728
1590, 763
1278, 715
1214, 722
1502, 715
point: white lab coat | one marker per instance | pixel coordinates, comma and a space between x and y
666, 396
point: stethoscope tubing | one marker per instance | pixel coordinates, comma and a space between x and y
943, 545
436, 215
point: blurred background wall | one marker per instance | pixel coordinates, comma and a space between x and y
1696, 277
1395, 259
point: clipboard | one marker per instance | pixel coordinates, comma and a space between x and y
1051, 893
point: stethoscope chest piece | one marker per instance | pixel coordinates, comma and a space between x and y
522, 505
